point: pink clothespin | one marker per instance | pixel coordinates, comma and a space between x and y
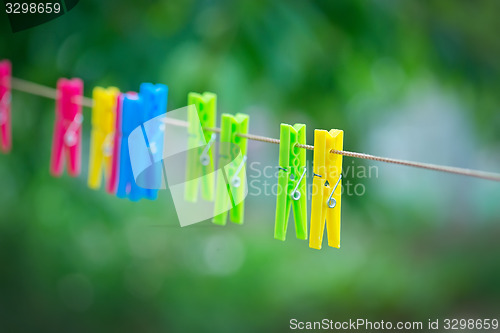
5, 97
112, 184
115, 158
67, 128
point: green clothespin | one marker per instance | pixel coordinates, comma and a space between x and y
230, 182
200, 162
291, 181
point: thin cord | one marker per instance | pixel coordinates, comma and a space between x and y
428, 166
44, 91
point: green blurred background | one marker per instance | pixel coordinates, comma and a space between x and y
407, 79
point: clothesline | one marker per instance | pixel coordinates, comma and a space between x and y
44, 91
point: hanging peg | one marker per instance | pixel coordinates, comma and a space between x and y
67, 128
5, 99
230, 191
327, 188
291, 181
155, 104
112, 183
200, 164
145, 149
132, 117
102, 135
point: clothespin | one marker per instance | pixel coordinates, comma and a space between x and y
136, 112
112, 183
102, 136
132, 117
230, 187
5, 98
199, 165
327, 187
67, 127
155, 104
291, 181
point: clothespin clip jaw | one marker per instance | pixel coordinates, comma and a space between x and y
67, 128
155, 99
104, 109
102, 135
206, 107
202, 110
230, 186
132, 113
327, 188
292, 182
5, 102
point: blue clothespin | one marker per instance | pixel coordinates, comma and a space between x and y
132, 117
155, 104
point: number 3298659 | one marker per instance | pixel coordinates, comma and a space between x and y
32, 8
470, 324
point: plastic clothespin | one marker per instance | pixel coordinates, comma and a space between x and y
132, 117
154, 97
67, 127
291, 181
102, 136
5, 98
327, 187
201, 164
112, 183
230, 187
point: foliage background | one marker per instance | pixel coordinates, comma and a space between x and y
406, 79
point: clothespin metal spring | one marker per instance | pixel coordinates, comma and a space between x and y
296, 193
70, 135
205, 158
107, 146
235, 180
3, 103
331, 202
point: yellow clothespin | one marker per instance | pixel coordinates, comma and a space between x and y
327, 186
103, 125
